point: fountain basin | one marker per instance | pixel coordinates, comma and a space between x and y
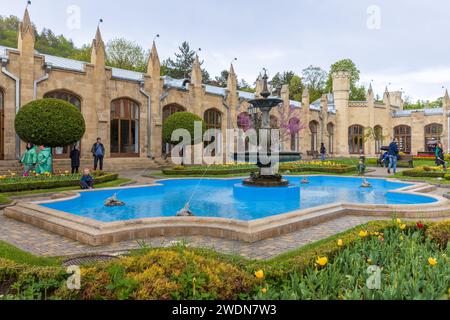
291, 192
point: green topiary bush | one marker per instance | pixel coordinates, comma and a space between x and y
50, 122
182, 120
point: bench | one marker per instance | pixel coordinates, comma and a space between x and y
314, 154
402, 159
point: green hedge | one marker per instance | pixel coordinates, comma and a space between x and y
424, 174
212, 172
322, 169
50, 122
51, 184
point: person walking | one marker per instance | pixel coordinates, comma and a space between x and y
98, 151
29, 159
440, 157
44, 161
393, 156
75, 159
323, 152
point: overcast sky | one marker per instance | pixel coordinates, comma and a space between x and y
404, 43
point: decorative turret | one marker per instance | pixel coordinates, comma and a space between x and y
305, 98
232, 80
196, 75
386, 96
26, 37
446, 101
154, 65
98, 54
370, 95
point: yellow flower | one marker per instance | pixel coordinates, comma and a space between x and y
340, 243
259, 274
369, 261
322, 261
363, 234
264, 290
401, 238
432, 262
399, 221
402, 226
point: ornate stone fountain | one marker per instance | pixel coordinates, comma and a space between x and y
267, 160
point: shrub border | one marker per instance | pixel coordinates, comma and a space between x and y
43, 185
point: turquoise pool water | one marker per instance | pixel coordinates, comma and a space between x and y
229, 199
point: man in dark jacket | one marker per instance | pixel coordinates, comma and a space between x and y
75, 159
393, 156
98, 151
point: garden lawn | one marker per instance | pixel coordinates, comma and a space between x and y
14, 254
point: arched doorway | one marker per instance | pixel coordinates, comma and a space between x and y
403, 134
356, 139
314, 129
378, 132
64, 151
330, 130
2, 125
167, 112
433, 134
124, 128
213, 120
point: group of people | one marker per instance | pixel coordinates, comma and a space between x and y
40, 160
390, 158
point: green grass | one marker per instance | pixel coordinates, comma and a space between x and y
5, 198
443, 182
12, 253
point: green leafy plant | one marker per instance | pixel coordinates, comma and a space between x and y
50, 122
182, 120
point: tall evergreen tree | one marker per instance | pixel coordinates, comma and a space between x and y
181, 67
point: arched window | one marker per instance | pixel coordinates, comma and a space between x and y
433, 135
378, 132
356, 139
2, 122
213, 120
330, 129
314, 129
66, 96
124, 128
244, 123
403, 135
64, 151
167, 112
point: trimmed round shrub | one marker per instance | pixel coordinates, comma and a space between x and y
182, 120
50, 122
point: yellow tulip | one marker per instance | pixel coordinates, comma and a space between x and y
399, 221
322, 261
264, 290
432, 262
369, 261
340, 243
363, 234
402, 226
259, 274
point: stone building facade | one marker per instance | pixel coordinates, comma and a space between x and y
127, 109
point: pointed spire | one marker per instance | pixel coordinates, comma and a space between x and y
26, 36
232, 80
196, 75
154, 64
370, 96
370, 91
305, 93
98, 54
446, 96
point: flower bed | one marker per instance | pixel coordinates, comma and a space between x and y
292, 167
412, 257
13, 183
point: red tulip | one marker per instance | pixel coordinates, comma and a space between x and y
420, 225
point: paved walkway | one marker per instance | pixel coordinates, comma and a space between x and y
44, 243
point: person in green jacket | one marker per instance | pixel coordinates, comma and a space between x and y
29, 159
45, 160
